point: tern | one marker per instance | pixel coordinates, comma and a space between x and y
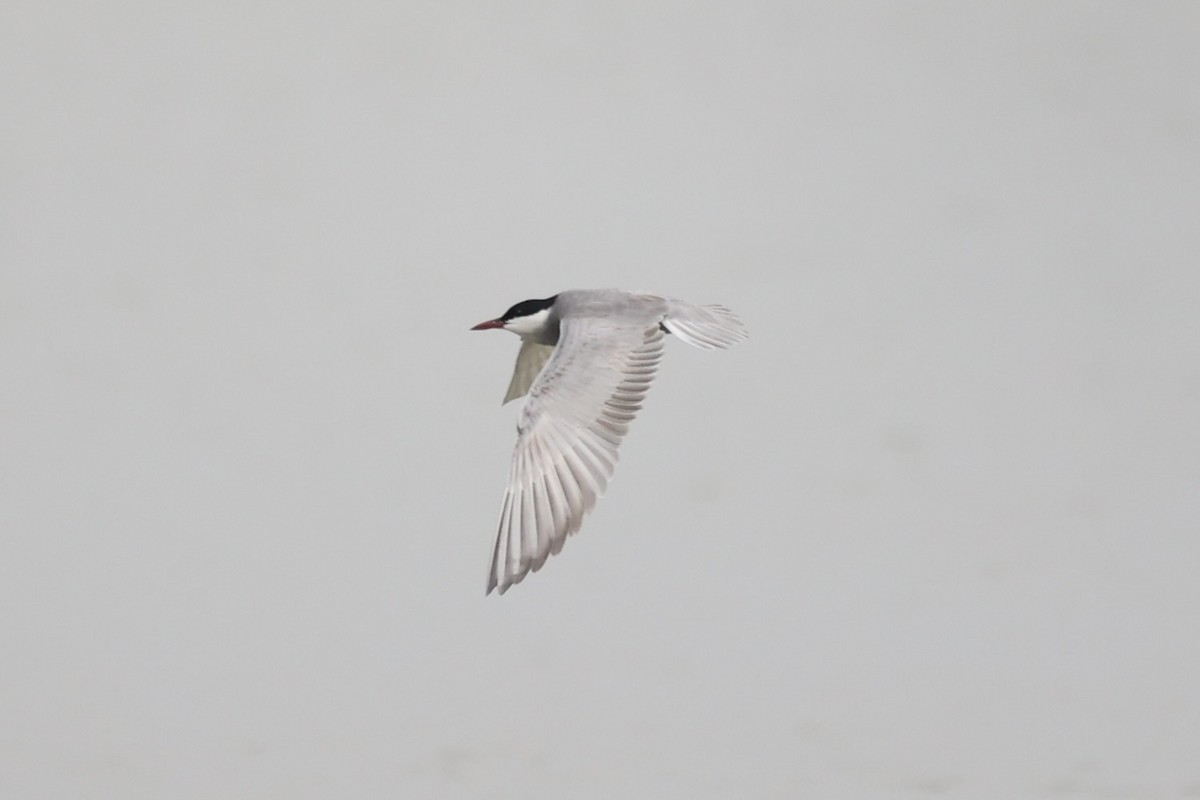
586, 361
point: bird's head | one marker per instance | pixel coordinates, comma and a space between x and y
527, 318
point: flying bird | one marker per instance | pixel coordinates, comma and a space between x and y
586, 361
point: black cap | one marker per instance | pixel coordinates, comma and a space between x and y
527, 308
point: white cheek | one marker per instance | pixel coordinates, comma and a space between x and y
527, 326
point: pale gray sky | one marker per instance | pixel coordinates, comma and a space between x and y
934, 530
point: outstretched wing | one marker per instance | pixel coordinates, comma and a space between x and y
530, 360
578, 411
706, 327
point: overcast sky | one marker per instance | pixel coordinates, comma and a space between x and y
933, 531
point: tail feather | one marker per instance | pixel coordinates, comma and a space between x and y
707, 327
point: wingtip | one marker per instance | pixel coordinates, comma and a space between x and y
494, 585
